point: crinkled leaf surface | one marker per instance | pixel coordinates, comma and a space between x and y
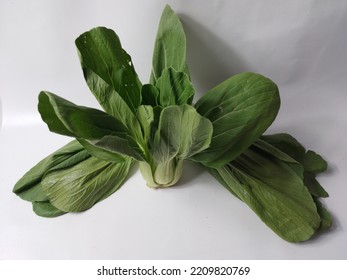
29, 186
175, 88
170, 45
181, 133
102, 55
274, 192
79, 187
240, 109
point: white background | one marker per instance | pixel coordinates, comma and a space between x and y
301, 45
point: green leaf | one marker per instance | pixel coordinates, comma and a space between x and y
170, 46
79, 187
46, 209
311, 162
115, 105
177, 134
326, 218
101, 54
314, 162
181, 133
29, 186
240, 109
146, 116
175, 88
314, 186
101, 152
275, 193
272, 152
286, 143
93, 125
149, 95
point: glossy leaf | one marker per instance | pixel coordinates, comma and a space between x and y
170, 45
102, 55
175, 88
79, 187
240, 109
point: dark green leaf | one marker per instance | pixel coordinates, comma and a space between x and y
240, 109
175, 88
287, 144
46, 209
170, 46
101, 153
314, 186
311, 162
274, 192
101, 54
29, 186
150, 95
85, 123
326, 218
314, 162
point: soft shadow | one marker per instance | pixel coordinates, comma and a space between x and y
210, 60
190, 172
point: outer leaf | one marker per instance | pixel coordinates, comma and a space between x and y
286, 143
79, 187
29, 186
101, 152
326, 218
101, 53
282, 201
89, 124
170, 45
312, 163
46, 209
272, 152
240, 109
182, 133
175, 88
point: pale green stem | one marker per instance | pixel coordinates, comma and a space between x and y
162, 175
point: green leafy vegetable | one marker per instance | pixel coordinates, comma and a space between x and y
240, 109
157, 125
170, 46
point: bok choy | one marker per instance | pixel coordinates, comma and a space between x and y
158, 126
